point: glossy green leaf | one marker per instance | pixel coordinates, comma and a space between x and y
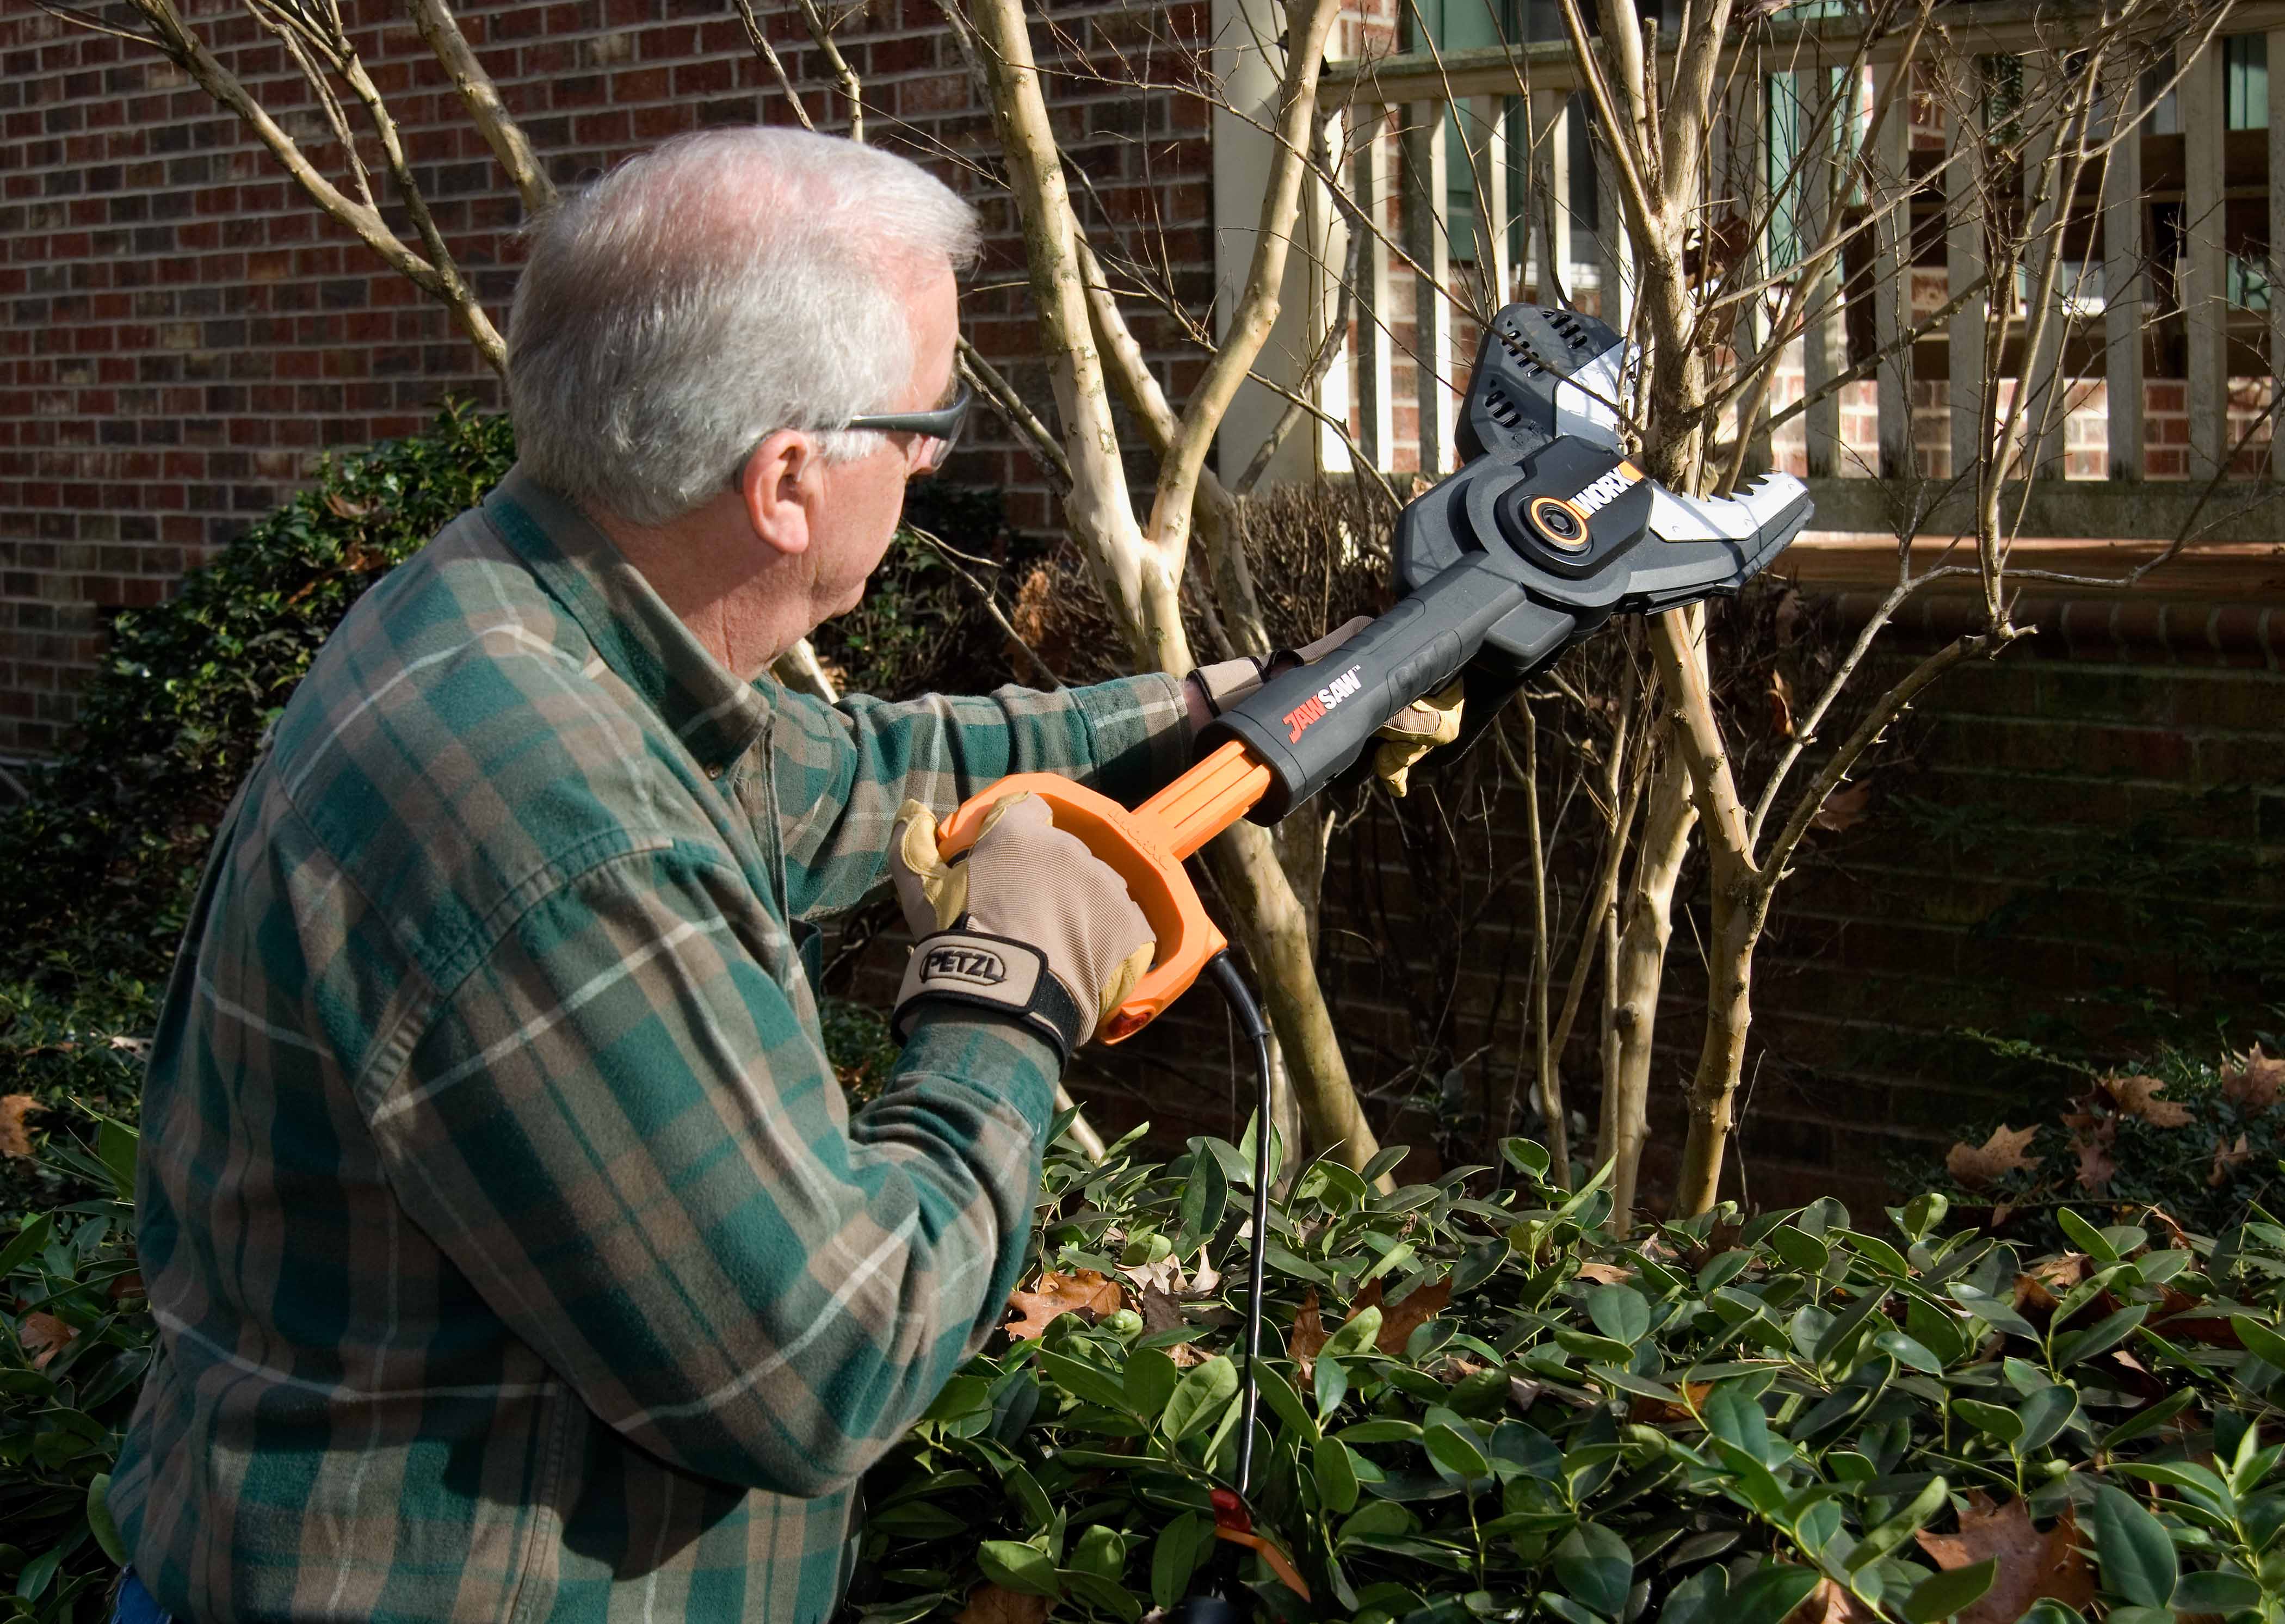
2044, 1413
2136, 1553
1619, 1313
1525, 1156
1702, 1598
1183, 1546
2151, 1418
1359, 1336
2002, 1423
1334, 1470
1891, 1534
1151, 1380
1205, 1197
1024, 1569
1456, 1451
1771, 1594
1736, 1419
1803, 1250
1908, 1352
1278, 1395
1333, 1384
1594, 1564
1954, 1591
2214, 1592
2259, 1339
1204, 1391
1086, 1381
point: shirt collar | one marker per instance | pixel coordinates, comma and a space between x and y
716, 714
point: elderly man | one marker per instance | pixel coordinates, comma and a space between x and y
514, 1252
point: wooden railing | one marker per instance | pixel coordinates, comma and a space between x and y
1468, 163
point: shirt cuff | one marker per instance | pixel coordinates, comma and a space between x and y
1139, 728
998, 1054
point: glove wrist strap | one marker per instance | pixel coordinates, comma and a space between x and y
970, 970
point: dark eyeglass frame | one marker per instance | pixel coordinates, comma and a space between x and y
944, 424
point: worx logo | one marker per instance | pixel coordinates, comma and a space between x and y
1607, 490
972, 964
1312, 710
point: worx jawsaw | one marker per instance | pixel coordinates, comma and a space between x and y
1545, 532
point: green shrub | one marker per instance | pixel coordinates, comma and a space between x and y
1521, 1419
1525, 1419
2203, 1139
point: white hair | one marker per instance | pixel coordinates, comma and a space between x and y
725, 285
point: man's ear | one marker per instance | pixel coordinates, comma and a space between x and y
779, 479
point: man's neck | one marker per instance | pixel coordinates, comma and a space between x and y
745, 619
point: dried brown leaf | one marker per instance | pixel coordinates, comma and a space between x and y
1081, 1291
15, 1138
1779, 692
1159, 1310
2227, 1160
988, 1604
2254, 1081
2095, 1167
1397, 1324
1976, 1166
2138, 1097
1829, 1603
2033, 1566
1657, 1412
1606, 1273
2048, 1281
1309, 1336
1185, 1354
1845, 808
43, 1336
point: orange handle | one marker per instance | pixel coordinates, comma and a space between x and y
1146, 848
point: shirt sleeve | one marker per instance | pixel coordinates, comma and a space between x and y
844, 769
617, 1129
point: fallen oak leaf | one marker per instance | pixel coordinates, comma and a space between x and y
43, 1336
2255, 1080
2138, 1097
1081, 1291
2046, 1282
1658, 1412
1829, 1603
1606, 1273
988, 1604
1308, 1336
2227, 1160
2003, 1153
15, 1138
2033, 1566
1397, 1324
2095, 1167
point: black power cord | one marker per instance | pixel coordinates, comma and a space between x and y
1225, 1602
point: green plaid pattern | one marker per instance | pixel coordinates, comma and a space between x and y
514, 1254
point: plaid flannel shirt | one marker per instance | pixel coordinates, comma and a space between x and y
514, 1252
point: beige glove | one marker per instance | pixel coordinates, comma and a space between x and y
1026, 924
1406, 737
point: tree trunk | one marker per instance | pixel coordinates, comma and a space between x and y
1640, 969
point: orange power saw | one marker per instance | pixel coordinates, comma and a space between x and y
1545, 532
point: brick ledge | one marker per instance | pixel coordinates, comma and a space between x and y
2214, 602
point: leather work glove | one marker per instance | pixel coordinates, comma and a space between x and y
1405, 738
1026, 922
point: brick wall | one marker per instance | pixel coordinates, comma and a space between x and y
185, 334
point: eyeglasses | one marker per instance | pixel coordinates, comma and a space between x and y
941, 425
939, 429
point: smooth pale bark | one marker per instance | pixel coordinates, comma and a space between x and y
1140, 574
1638, 971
